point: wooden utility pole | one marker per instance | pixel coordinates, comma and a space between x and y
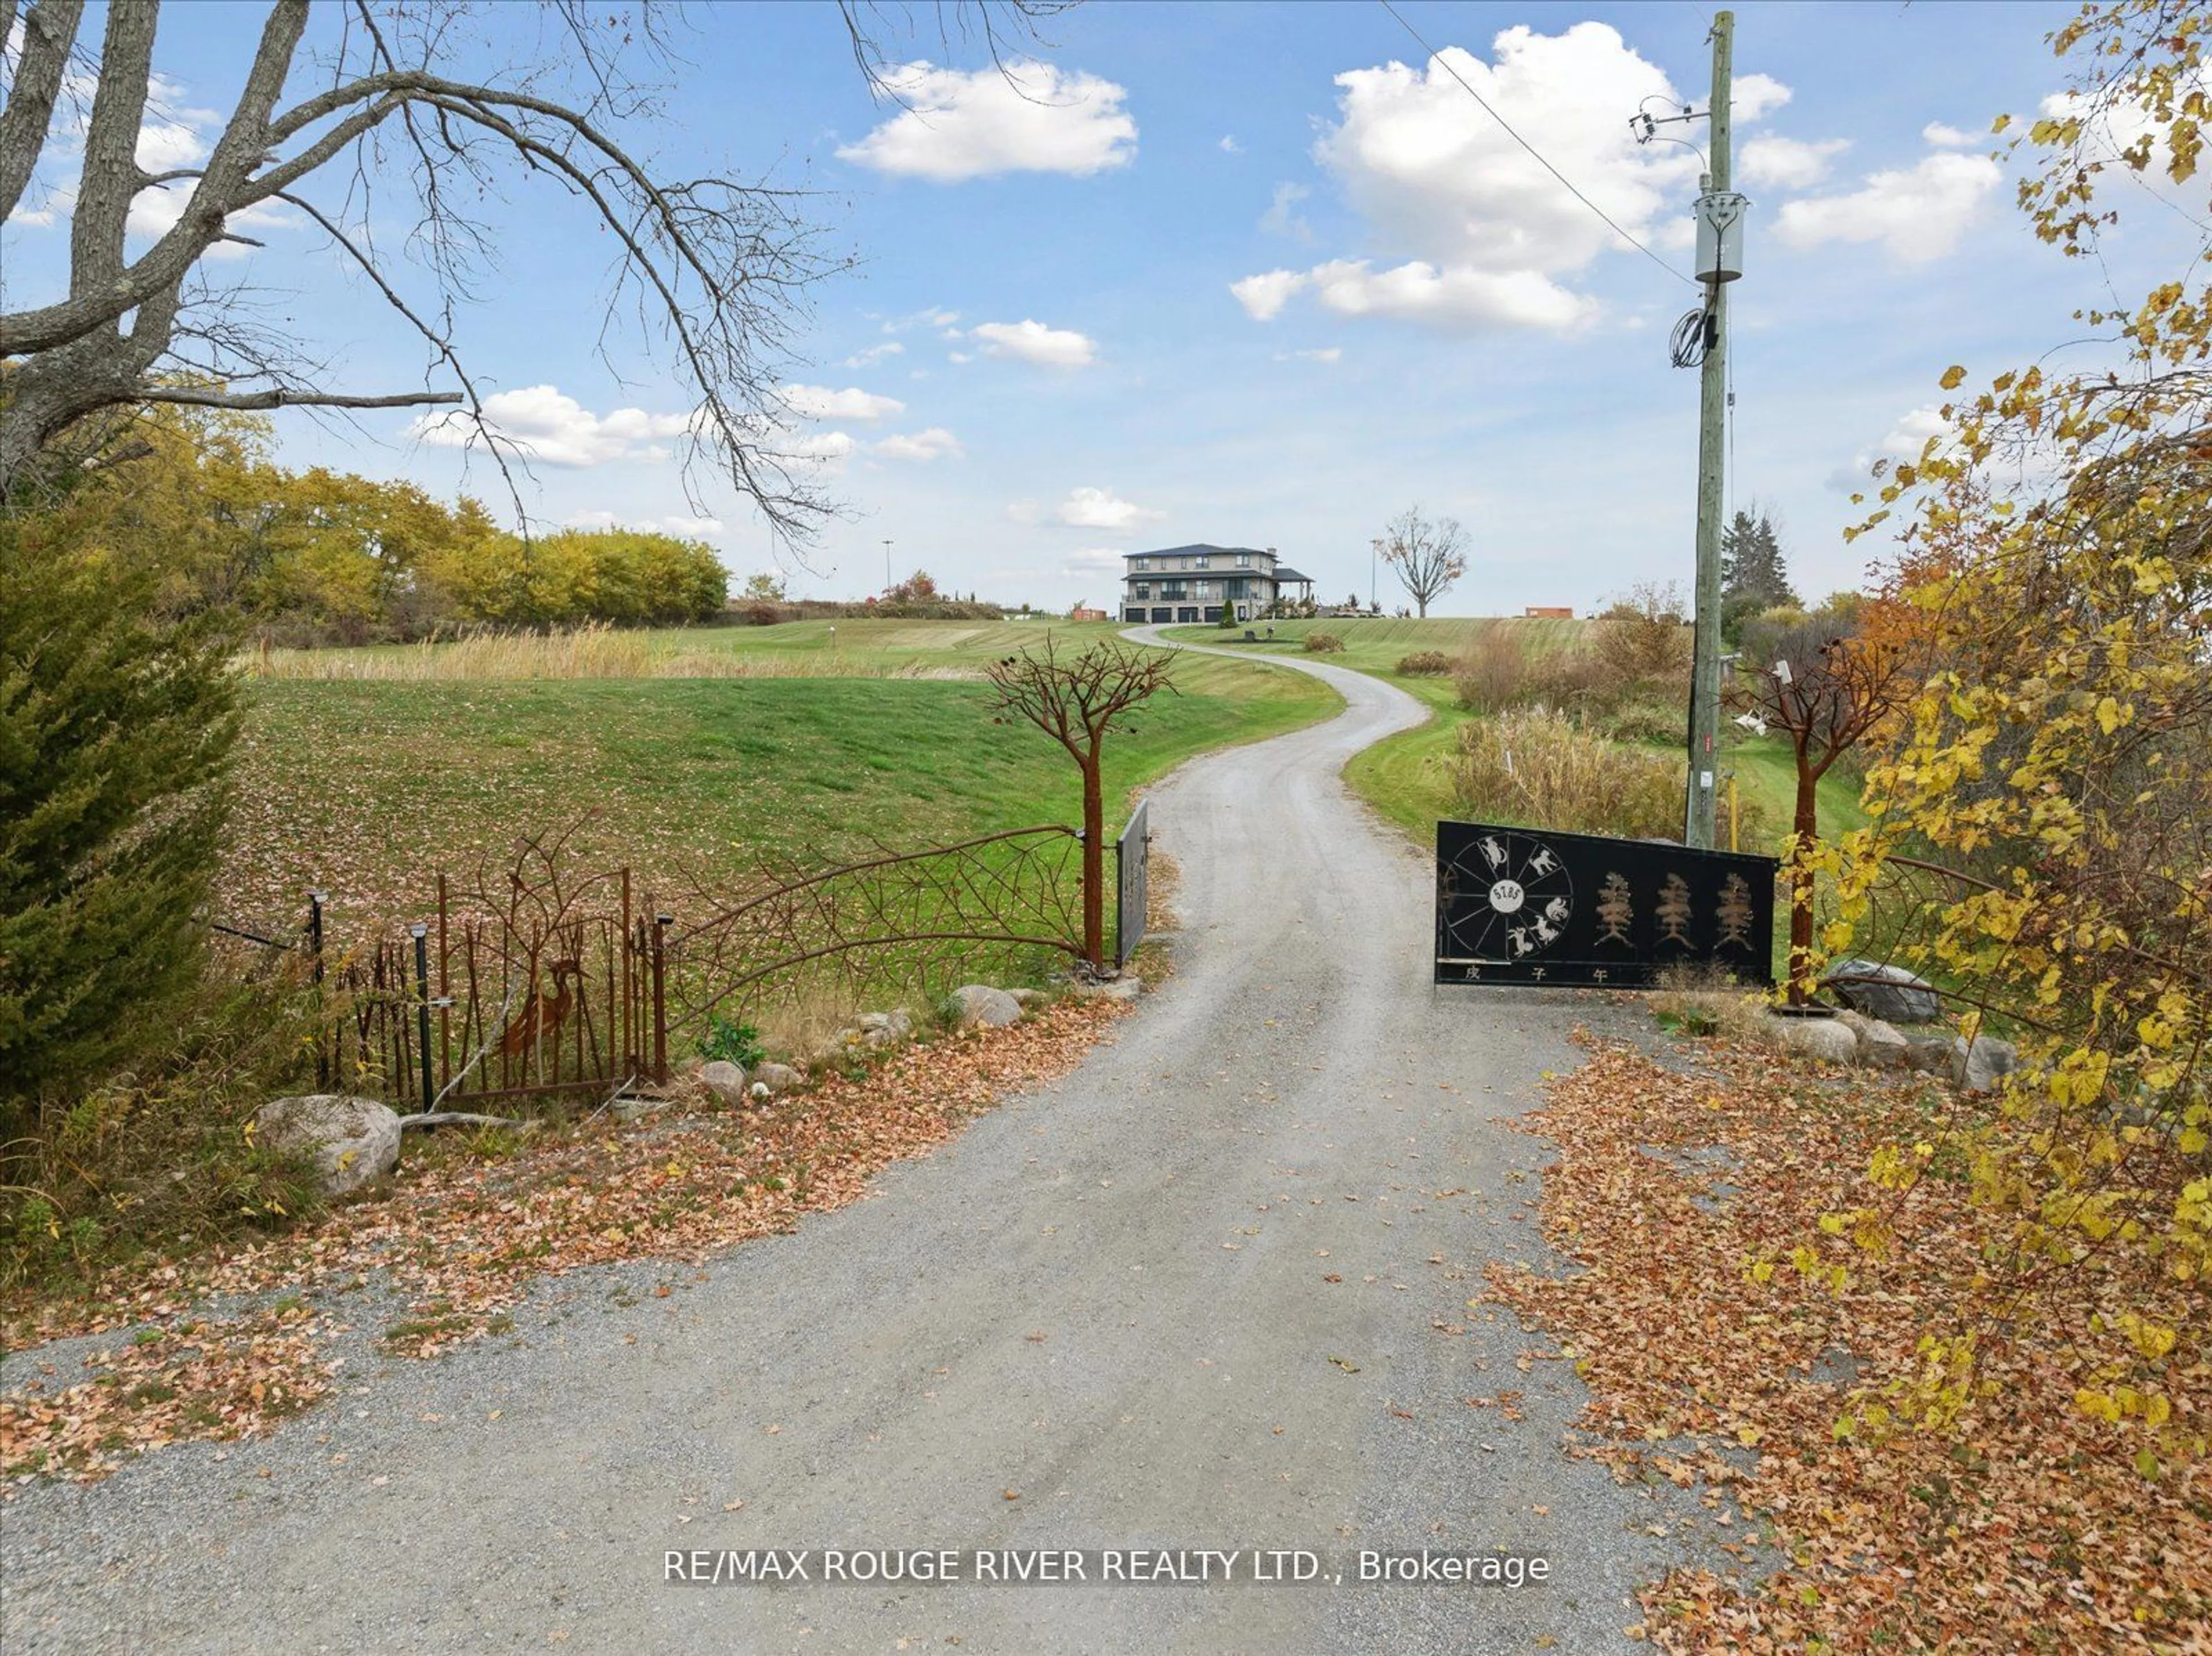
1716, 197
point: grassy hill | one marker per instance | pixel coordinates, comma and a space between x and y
371, 776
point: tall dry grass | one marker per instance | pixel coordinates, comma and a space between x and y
592, 650
1533, 765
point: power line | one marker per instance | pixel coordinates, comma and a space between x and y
1437, 58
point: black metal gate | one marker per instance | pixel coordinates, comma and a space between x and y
1528, 906
1132, 859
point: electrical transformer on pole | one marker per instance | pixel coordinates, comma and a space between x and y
1720, 261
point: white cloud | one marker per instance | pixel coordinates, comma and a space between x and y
825, 447
1281, 219
1032, 341
1919, 212
821, 403
1028, 117
1230, 146
873, 354
1948, 137
1752, 96
1093, 562
1458, 298
540, 423
1787, 163
935, 444
1481, 232
1327, 353
1904, 441
1264, 296
1101, 508
1024, 511
1441, 180
689, 529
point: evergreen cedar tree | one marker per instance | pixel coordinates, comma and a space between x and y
115, 728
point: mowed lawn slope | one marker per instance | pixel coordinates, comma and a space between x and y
369, 787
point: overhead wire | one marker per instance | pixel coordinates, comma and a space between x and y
1438, 58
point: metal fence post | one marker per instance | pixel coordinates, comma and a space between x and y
660, 925
421, 933
315, 972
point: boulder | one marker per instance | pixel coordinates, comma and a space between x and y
352, 1140
1881, 990
1825, 1039
882, 1029
1879, 1045
776, 1077
726, 1080
1979, 1067
977, 1003
1932, 1056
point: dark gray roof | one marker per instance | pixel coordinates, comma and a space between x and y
1284, 572
1198, 549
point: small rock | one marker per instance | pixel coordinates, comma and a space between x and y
1882, 991
776, 1077
1977, 1068
894, 1025
630, 1106
1824, 1039
1127, 988
977, 1003
1879, 1045
726, 1080
353, 1140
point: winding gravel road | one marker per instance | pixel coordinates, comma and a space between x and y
1209, 1291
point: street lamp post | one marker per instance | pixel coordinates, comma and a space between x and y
887, 568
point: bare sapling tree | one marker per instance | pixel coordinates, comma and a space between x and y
393, 97
1078, 701
1427, 554
1824, 692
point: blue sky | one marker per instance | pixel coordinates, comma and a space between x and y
1255, 275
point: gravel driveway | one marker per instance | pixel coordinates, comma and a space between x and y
1208, 1292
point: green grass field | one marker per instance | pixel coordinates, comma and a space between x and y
369, 786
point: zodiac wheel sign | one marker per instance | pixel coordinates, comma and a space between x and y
1510, 898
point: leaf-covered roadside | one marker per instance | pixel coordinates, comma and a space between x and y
459, 1241
1714, 1308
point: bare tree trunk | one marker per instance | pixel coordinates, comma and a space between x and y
1807, 830
1094, 863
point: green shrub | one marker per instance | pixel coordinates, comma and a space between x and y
1426, 663
1534, 766
160, 1158
731, 1043
1323, 644
1646, 721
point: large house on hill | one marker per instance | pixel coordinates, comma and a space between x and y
1191, 583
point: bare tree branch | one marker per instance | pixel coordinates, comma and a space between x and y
49, 31
719, 266
286, 398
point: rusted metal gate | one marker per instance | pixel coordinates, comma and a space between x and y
559, 989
